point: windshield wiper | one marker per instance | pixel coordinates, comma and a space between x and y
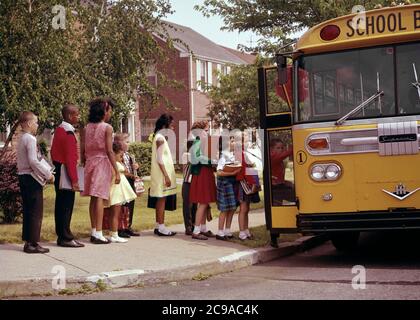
340, 121
417, 83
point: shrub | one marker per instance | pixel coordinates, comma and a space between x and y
43, 147
10, 199
142, 152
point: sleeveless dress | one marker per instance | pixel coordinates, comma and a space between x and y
98, 168
157, 180
121, 193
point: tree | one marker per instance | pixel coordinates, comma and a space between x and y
105, 49
35, 62
276, 21
234, 103
120, 54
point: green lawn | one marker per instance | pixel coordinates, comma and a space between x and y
144, 218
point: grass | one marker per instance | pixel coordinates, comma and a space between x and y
144, 218
201, 277
262, 237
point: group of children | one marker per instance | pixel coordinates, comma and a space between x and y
237, 185
109, 176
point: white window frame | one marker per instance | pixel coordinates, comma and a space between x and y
202, 68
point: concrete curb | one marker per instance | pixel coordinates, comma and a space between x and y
143, 278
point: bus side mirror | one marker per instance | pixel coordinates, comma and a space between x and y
281, 68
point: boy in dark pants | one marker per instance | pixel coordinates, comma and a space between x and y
64, 152
189, 209
28, 163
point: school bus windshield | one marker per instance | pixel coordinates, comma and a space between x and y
336, 83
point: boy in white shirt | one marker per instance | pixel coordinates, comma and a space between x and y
29, 164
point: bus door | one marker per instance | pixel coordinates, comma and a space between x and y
276, 120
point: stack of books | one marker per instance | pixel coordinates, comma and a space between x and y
38, 176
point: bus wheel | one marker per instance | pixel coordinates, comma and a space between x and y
274, 237
345, 241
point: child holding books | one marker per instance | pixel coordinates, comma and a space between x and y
227, 186
248, 189
29, 165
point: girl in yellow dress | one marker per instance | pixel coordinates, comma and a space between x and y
120, 194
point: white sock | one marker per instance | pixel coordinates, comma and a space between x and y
247, 232
227, 232
162, 229
242, 235
93, 232
100, 236
220, 233
157, 225
114, 234
203, 228
197, 229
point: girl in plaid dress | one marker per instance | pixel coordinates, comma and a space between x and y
227, 186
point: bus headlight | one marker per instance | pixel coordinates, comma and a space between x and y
325, 172
318, 172
332, 172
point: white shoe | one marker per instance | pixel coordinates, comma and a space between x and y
117, 239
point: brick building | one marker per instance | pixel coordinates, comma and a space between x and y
193, 66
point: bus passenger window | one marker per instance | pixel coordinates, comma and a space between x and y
408, 72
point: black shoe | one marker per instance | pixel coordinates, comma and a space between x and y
132, 233
99, 241
70, 244
156, 231
79, 243
92, 238
34, 248
123, 234
199, 236
224, 238
208, 234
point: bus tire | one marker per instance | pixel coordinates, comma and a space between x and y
274, 243
345, 241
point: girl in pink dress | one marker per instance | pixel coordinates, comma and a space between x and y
99, 160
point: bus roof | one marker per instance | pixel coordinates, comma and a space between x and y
375, 27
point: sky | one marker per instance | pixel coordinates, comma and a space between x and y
209, 27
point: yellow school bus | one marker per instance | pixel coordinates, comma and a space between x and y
341, 120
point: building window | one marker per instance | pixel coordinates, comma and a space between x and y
152, 76
147, 128
222, 70
204, 74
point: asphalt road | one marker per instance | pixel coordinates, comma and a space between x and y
391, 262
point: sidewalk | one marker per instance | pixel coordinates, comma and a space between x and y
144, 260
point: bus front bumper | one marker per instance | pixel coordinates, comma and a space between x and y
360, 221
